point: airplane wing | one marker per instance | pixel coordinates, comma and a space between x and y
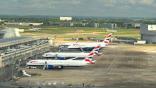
72, 58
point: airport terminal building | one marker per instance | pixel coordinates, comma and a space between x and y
14, 49
148, 33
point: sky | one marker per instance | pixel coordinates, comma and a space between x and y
102, 8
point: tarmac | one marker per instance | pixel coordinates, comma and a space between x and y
120, 66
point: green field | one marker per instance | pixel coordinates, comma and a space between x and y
72, 32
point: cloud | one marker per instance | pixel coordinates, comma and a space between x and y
79, 7
142, 2
113, 3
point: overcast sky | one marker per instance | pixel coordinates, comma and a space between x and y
104, 8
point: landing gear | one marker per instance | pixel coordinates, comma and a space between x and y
59, 67
31, 67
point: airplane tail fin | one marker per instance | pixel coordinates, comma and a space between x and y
109, 35
89, 58
89, 61
107, 38
96, 50
91, 54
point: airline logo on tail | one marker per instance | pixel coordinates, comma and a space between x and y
89, 61
108, 35
107, 38
91, 54
97, 48
107, 41
95, 51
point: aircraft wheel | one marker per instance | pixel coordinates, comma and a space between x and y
28, 67
60, 67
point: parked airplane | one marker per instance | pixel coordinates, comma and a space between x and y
49, 64
71, 48
104, 43
66, 55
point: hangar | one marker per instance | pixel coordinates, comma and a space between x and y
148, 33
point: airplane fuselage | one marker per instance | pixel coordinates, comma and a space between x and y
86, 44
64, 63
65, 54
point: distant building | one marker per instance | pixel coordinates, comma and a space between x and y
65, 18
96, 25
136, 25
131, 25
71, 24
128, 25
108, 25
148, 33
54, 23
23, 24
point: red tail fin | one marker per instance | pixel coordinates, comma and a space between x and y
108, 35
96, 48
89, 61
91, 54
107, 38
94, 51
107, 41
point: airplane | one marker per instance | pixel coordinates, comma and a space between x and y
66, 55
104, 43
60, 64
